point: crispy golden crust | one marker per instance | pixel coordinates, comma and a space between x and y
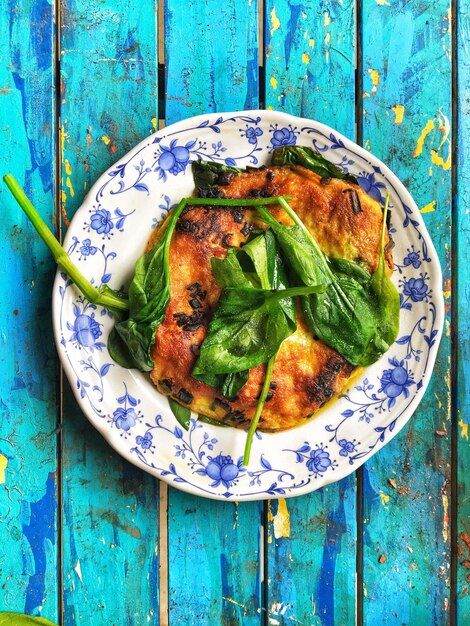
346, 223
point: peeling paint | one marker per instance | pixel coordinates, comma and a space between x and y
384, 499
439, 161
326, 18
382, 3
275, 21
424, 133
281, 521
445, 521
375, 78
429, 207
399, 111
3, 466
78, 569
273, 82
463, 429
305, 58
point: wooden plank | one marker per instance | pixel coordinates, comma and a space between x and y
463, 295
216, 67
108, 103
214, 553
213, 547
28, 415
310, 60
311, 550
407, 116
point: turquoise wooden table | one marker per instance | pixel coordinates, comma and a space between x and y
86, 538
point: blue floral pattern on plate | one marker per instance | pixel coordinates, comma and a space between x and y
132, 198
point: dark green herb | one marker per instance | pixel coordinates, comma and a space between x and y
182, 413
387, 304
258, 264
310, 159
103, 296
247, 329
357, 315
206, 174
131, 340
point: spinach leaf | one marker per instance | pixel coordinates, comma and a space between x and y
387, 305
247, 329
356, 314
262, 267
206, 174
304, 258
310, 159
182, 413
131, 340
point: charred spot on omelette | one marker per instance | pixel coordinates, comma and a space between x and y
346, 223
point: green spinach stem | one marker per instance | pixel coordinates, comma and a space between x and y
105, 298
236, 201
259, 409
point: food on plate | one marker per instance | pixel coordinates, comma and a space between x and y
229, 254
256, 300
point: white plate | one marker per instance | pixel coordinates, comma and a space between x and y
109, 232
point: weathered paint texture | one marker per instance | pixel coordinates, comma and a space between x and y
407, 542
214, 554
463, 294
221, 74
28, 489
307, 566
108, 101
310, 60
213, 547
287, 561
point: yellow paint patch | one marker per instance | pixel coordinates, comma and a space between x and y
424, 133
281, 521
275, 21
463, 429
311, 43
438, 160
68, 183
154, 123
384, 499
106, 140
273, 82
382, 3
399, 111
3, 465
326, 18
270, 108
68, 167
305, 58
375, 78
429, 207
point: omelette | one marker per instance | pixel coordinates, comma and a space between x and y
346, 223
